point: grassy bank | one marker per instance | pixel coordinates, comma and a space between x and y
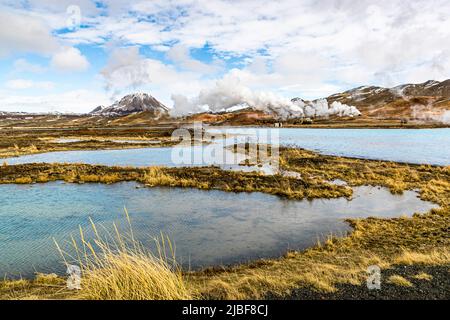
201, 178
421, 241
432, 182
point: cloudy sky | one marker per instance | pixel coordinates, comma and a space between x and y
70, 55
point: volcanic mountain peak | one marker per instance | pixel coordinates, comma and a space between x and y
132, 103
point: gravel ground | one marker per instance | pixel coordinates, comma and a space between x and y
438, 288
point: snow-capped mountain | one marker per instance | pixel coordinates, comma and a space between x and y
133, 103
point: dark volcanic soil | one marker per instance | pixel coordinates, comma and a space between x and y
438, 288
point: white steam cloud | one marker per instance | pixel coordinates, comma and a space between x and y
228, 92
446, 117
427, 113
126, 68
321, 108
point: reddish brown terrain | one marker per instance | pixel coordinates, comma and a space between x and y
427, 101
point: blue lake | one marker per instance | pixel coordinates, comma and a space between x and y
421, 146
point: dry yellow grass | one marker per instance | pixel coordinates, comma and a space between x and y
132, 276
122, 269
106, 178
48, 279
13, 284
423, 276
23, 180
42, 287
156, 176
400, 281
432, 182
434, 257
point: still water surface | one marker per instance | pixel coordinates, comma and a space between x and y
208, 227
422, 146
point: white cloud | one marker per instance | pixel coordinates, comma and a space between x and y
24, 33
127, 70
22, 65
180, 54
22, 84
69, 59
293, 47
318, 43
71, 101
30, 33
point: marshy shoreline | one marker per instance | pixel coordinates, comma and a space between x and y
327, 269
15, 142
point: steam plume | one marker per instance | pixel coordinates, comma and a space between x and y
126, 68
446, 117
228, 93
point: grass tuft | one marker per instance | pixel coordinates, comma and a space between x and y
122, 269
434, 257
23, 180
400, 281
423, 276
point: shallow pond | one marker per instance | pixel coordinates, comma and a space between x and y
207, 227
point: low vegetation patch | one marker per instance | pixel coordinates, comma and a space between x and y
201, 178
433, 182
423, 276
400, 281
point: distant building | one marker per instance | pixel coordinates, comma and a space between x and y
278, 124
